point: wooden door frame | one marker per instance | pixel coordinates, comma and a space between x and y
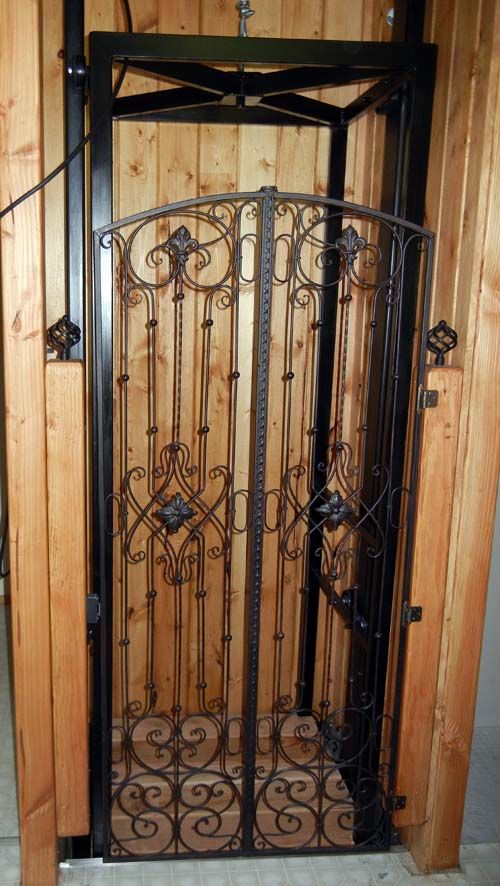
434, 842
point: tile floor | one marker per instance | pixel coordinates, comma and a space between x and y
480, 864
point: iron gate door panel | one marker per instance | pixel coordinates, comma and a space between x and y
251, 507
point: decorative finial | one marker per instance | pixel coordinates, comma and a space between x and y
62, 336
441, 339
243, 7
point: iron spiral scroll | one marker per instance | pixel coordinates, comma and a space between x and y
229, 514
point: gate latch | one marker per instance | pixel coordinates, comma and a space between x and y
397, 802
411, 613
93, 609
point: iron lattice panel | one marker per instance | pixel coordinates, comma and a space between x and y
252, 506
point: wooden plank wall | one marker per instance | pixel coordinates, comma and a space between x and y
464, 189
66, 469
432, 536
24, 365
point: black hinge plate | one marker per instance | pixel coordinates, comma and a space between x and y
427, 399
93, 609
411, 613
397, 801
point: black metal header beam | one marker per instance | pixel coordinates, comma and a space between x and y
259, 50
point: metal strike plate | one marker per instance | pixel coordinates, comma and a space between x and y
427, 399
93, 609
411, 613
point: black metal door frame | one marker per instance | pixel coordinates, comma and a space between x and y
405, 92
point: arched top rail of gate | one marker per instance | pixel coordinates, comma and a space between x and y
257, 196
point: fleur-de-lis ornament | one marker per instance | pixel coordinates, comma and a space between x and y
182, 244
349, 244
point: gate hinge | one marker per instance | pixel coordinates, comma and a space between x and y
93, 609
427, 399
397, 802
78, 72
411, 613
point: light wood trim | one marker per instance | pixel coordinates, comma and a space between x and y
24, 362
430, 560
474, 279
65, 387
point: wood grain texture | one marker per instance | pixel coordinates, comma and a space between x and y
24, 362
53, 153
460, 179
476, 283
434, 506
65, 391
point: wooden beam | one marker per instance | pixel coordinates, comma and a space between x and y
24, 362
65, 391
470, 284
428, 586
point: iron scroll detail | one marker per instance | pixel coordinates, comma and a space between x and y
223, 495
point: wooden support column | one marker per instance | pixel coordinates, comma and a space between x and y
438, 453
463, 196
24, 362
65, 389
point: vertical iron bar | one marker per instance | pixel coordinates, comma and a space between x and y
413, 209
325, 364
74, 99
409, 19
261, 386
102, 441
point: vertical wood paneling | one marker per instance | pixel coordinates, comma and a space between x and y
24, 366
470, 281
163, 164
66, 478
434, 505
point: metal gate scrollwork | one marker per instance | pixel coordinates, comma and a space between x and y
252, 390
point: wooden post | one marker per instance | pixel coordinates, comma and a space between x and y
65, 389
462, 198
24, 362
428, 588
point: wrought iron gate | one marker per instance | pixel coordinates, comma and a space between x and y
252, 360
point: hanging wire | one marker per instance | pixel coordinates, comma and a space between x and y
38, 187
81, 144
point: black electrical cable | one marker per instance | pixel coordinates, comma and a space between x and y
85, 140
42, 184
